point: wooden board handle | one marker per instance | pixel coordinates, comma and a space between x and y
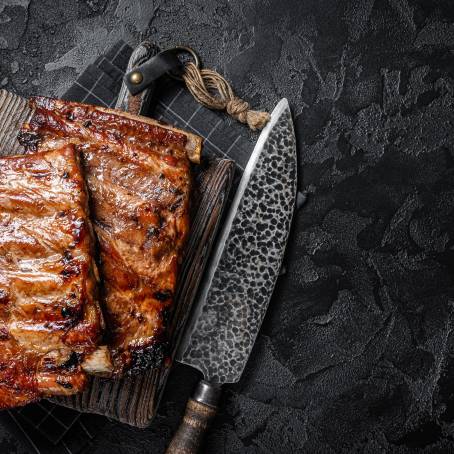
200, 411
139, 104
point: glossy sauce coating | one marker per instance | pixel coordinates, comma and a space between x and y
139, 180
49, 315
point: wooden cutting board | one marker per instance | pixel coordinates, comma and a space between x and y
134, 399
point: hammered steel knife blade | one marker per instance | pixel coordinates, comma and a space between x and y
241, 275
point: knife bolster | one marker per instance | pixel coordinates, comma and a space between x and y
207, 393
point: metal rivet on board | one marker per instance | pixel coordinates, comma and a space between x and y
136, 77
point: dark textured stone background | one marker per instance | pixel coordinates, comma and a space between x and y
356, 353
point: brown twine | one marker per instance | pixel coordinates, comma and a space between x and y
213, 91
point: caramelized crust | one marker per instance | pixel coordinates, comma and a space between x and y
139, 179
49, 316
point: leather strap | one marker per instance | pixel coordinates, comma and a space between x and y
141, 76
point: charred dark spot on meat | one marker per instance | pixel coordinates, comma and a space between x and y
64, 383
79, 230
176, 191
48, 363
72, 362
29, 140
116, 135
4, 297
152, 355
67, 311
163, 295
71, 308
67, 257
4, 333
87, 123
137, 315
39, 119
162, 176
65, 175
152, 232
174, 206
71, 270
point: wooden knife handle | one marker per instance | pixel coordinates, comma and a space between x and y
200, 411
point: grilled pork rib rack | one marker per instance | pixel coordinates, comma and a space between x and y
139, 179
50, 321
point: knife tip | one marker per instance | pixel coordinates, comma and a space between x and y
281, 106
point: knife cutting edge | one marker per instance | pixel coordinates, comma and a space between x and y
241, 275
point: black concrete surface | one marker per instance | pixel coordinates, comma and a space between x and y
356, 353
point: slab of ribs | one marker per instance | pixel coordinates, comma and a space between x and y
96, 210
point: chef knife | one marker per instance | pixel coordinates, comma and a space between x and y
241, 276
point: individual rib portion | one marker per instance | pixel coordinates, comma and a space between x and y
49, 315
139, 178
